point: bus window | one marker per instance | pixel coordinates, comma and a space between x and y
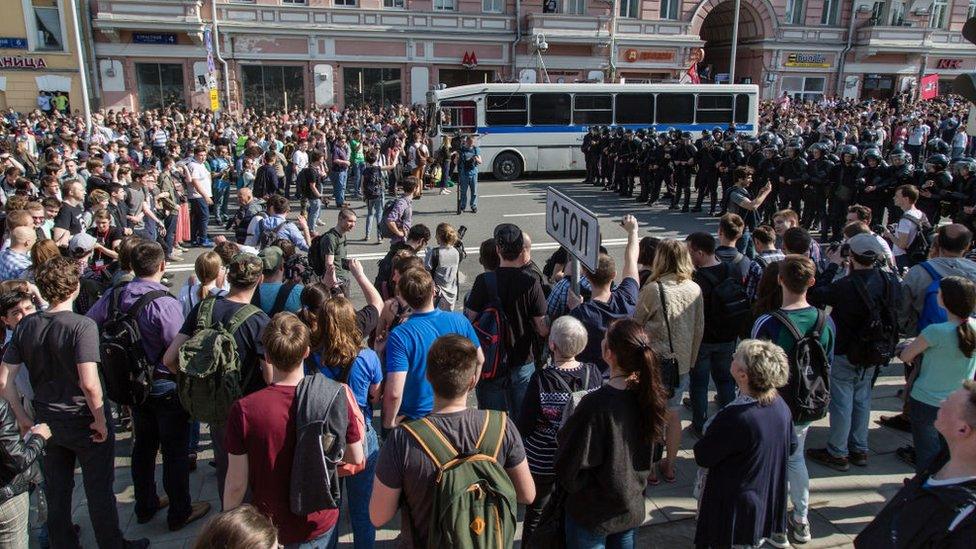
550, 109
742, 109
714, 109
506, 109
592, 109
635, 108
458, 116
675, 108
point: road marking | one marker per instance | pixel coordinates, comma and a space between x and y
507, 195
534, 214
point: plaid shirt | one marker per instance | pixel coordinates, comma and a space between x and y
13, 264
757, 267
557, 297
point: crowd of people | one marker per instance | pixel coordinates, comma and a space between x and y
578, 391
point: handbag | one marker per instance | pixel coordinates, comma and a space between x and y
669, 366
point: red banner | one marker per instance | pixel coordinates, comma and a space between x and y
693, 74
929, 87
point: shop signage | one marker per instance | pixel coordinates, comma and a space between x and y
470, 60
807, 60
11, 43
154, 38
214, 100
20, 62
633, 56
948, 64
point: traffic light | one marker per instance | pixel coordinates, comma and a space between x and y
965, 84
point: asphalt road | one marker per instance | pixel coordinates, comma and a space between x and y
521, 202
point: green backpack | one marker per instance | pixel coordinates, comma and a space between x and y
474, 500
209, 367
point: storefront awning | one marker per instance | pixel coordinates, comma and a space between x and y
53, 82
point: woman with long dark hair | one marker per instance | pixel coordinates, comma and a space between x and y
604, 454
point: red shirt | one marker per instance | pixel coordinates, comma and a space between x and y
262, 425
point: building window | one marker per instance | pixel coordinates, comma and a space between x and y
44, 22
794, 12
160, 85
445, 5
670, 9
829, 14
371, 86
344, 3
630, 8
896, 13
804, 88
295, 2
273, 88
493, 6
940, 14
393, 4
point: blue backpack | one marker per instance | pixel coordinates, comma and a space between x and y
932, 313
492, 328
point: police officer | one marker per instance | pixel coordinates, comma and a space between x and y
768, 172
965, 181
791, 177
707, 178
871, 192
843, 186
936, 180
684, 161
628, 152
591, 153
731, 159
899, 172
815, 189
662, 168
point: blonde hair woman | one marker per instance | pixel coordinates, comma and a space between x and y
672, 310
207, 268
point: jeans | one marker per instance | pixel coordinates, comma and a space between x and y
356, 178
161, 424
199, 217
578, 537
927, 440
314, 207
797, 476
374, 213
194, 437
714, 359
70, 444
13, 522
505, 392
172, 222
324, 541
533, 511
221, 196
359, 490
850, 407
339, 186
220, 457
469, 182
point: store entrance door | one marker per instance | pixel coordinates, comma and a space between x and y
460, 77
878, 86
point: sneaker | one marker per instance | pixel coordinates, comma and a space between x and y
445, 191
206, 243
823, 457
799, 531
858, 458
474, 210
163, 503
779, 541
197, 510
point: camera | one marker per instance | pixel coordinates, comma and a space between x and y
345, 264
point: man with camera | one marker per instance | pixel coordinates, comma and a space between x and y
333, 244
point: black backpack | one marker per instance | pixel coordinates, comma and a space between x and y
730, 309
268, 237
316, 259
127, 371
918, 249
807, 391
373, 183
874, 344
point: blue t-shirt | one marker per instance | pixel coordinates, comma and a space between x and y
365, 371
596, 316
944, 367
269, 293
406, 351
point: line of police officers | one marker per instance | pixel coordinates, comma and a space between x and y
818, 175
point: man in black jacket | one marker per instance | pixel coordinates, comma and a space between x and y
937, 508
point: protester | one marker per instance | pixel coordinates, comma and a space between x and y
244, 527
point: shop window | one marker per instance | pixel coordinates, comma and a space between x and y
591, 109
393, 4
804, 88
971, 10
714, 109
940, 14
505, 109
675, 108
829, 14
670, 9
271, 88
742, 109
160, 85
493, 6
371, 86
550, 109
44, 24
794, 12
635, 108
630, 8
445, 5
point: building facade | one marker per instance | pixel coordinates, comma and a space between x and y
296, 53
37, 53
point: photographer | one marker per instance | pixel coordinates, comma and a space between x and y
333, 244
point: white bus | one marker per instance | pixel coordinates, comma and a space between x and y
540, 127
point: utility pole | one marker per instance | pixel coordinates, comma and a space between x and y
735, 42
82, 69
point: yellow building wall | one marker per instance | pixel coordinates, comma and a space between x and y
21, 89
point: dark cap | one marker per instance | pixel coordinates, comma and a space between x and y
272, 257
509, 237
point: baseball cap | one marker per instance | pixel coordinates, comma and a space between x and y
271, 258
508, 236
244, 269
81, 244
866, 245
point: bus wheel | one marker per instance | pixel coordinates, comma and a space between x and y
507, 166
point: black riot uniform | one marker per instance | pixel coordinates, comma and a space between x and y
707, 179
663, 169
628, 152
731, 159
684, 162
815, 190
768, 172
935, 181
591, 154
843, 186
791, 177
871, 192
899, 172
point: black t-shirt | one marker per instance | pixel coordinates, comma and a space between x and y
719, 272
248, 338
69, 218
522, 300
113, 234
366, 320
50, 346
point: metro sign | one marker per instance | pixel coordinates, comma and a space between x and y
470, 60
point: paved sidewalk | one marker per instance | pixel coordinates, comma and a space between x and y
841, 504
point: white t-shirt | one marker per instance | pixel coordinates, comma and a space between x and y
918, 135
906, 227
202, 174
300, 160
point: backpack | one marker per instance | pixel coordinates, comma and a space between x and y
127, 371
267, 237
316, 259
303, 183
243, 219
807, 390
874, 344
209, 367
474, 501
384, 229
281, 298
932, 312
730, 308
372, 183
492, 328
918, 249
575, 394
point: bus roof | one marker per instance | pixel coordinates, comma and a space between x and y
478, 89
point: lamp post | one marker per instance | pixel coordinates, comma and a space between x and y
82, 70
735, 42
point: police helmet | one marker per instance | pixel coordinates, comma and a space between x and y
898, 157
686, 135
872, 154
968, 164
937, 161
937, 146
849, 149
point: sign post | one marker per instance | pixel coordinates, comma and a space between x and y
211, 70
574, 227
